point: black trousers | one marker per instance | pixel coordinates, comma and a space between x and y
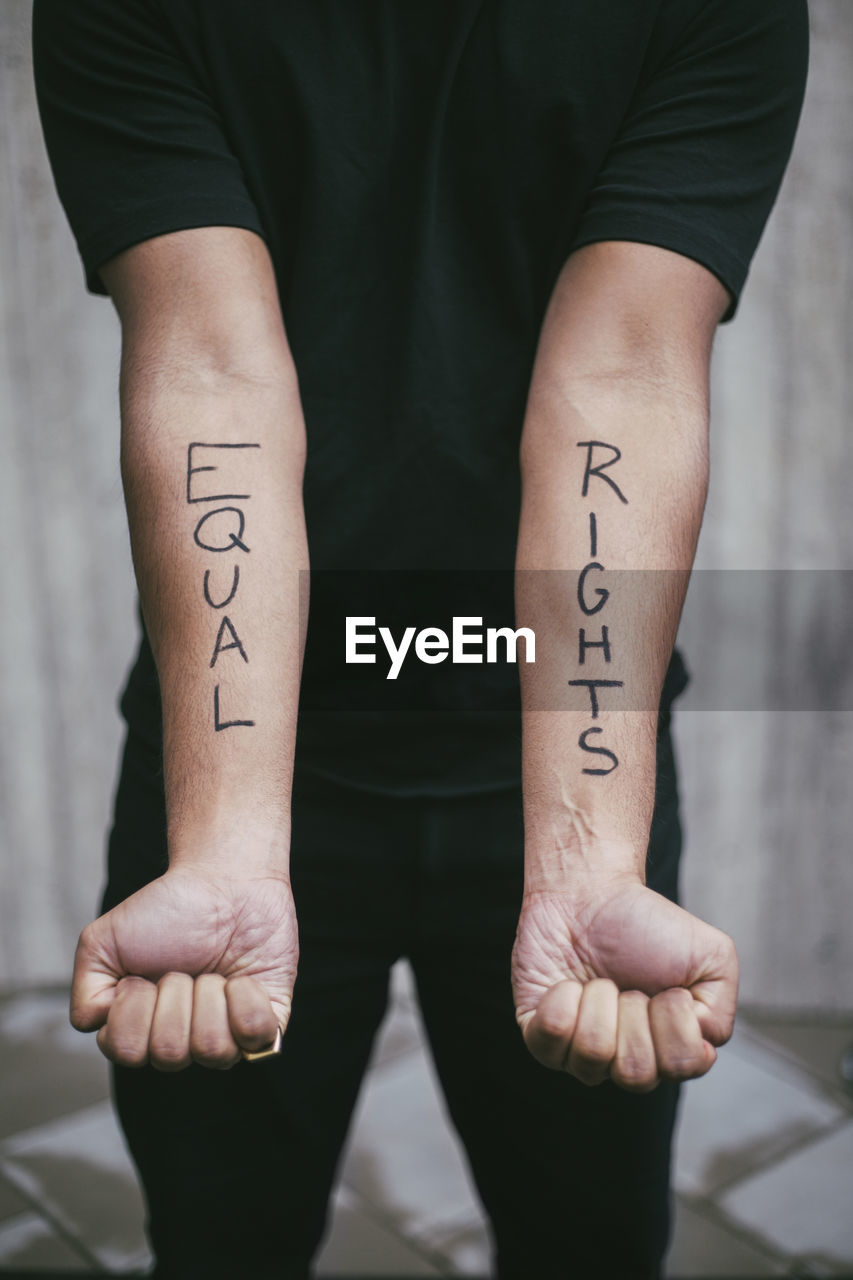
237, 1166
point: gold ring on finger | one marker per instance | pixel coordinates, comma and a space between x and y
269, 1052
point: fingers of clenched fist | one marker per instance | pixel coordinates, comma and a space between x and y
548, 1033
124, 1036
180, 1020
211, 1041
253, 1023
594, 1042
682, 1052
635, 1065
168, 1042
595, 1032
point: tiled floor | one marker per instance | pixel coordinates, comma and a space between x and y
764, 1173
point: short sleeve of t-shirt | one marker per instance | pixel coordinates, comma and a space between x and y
699, 158
134, 140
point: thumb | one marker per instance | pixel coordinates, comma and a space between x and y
95, 978
282, 1008
716, 996
281, 996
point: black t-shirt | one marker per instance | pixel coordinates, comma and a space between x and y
420, 170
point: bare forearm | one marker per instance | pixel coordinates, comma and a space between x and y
212, 465
614, 480
608, 976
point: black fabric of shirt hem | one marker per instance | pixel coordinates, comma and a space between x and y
159, 219
641, 228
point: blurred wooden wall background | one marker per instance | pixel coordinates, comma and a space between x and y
768, 792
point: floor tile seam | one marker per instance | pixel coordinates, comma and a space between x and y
56, 1221
797, 1015
832, 1092
784, 1066
138, 1262
475, 1224
754, 1032
368, 1209
778, 1157
804, 1268
706, 1208
404, 1004
444, 1229
406, 1001
801, 1271
393, 1057
415, 1240
8, 1226
8, 1144
10, 1186
447, 1230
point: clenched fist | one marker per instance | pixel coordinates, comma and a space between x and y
614, 981
191, 968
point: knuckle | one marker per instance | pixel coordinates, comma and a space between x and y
634, 1068
210, 981
132, 1060
129, 1053
596, 1053
551, 1028
643, 1084
77, 1018
257, 1025
634, 999
133, 982
675, 998
174, 978
725, 1032
210, 1052
169, 1065
679, 1066
548, 1051
221, 1061
169, 1055
729, 948
205, 1046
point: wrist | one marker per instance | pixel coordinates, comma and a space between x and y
234, 844
580, 866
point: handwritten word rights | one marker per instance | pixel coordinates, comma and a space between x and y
592, 601
221, 531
